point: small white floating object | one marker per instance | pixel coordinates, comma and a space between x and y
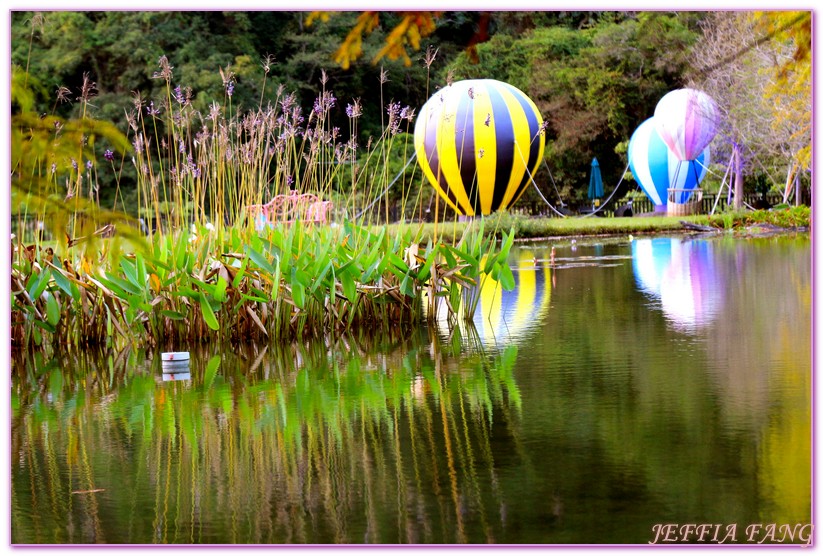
174, 356
168, 377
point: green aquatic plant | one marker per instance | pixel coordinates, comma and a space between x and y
226, 284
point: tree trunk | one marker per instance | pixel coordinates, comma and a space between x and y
738, 179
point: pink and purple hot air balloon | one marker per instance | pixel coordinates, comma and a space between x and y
686, 120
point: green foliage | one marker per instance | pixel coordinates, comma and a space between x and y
291, 281
786, 218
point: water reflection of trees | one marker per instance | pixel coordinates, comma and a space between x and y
767, 377
344, 442
708, 423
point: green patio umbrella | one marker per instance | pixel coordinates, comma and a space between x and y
595, 181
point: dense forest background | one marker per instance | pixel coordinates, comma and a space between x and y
595, 76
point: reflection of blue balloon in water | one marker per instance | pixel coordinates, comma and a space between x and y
681, 275
505, 317
656, 168
478, 143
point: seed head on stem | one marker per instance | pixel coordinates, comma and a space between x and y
431, 54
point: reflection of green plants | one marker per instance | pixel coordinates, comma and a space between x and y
294, 447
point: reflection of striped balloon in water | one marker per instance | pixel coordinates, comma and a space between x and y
503, 317
682, 276
478, 142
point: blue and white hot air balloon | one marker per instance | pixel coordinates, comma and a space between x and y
658, 169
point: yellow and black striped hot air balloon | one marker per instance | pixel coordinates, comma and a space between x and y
478, 142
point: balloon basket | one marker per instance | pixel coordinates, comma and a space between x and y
692, 206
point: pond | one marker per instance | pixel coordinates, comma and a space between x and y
626, 385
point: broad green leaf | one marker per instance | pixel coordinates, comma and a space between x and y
298, 290
121, 284
180, 250
174, 315
204, 286
407, 286
508, 241
463, 255
130, 272
349, 285
187, 292
38, 286
425, 270
52, 310
506, 277
75, 291
255, 298
318, 279
240, 273
115, 289
220, 289
259, 259
62, 282
44, 325
488, 264
208, 314
397, 261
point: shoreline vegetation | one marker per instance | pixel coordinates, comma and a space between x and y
296, 281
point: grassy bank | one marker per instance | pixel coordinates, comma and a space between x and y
536, 228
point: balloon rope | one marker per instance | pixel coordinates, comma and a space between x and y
709, 170
592, 213
676, 176
397, 177
551, 177
722, 183
606, 202
531, 178
696, 177
557, 212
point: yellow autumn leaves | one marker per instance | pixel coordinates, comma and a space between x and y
412, 27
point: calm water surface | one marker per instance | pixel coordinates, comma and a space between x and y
623, 384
